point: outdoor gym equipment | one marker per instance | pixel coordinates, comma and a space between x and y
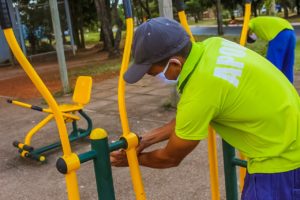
81, 97
212, 146
99, 143
70, 162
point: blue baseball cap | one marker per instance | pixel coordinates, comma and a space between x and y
154, 40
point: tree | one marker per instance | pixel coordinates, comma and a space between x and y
194, 9
231, 5
219, 17
106, 27
255, 5
37, 24
270, 6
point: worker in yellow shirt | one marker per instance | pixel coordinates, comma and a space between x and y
282, 41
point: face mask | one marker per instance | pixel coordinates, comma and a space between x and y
162, 75
253, 36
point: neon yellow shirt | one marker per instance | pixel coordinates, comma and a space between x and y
267, 28
248, 102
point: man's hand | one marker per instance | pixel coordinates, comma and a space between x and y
118, 158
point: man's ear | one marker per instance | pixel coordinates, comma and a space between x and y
176, 60
176, 63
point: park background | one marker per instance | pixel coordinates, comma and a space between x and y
99, 55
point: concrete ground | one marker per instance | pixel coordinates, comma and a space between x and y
147, 106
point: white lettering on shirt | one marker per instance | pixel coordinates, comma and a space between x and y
232, 69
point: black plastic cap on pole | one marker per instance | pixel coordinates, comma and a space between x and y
4, 15
179, 5
247, 1
127, 8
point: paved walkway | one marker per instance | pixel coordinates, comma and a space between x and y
148, 107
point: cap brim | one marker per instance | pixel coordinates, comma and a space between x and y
136, 72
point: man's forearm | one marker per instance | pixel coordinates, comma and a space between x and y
159, 134
157, 159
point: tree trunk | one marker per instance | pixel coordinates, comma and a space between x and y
74, 16
138, 12
254, 7
270, 6
145, 8
298, 6
219, 17
105, 25
285, 11
119, 23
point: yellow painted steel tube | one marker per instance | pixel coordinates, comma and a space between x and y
212, 147
46, 110
245, 24
213, 164
136, 177
71, 178
243, 43
36, 128
183, 22
18, 103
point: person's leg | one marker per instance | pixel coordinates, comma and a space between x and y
289, 57
249, 192
276, 53
296, 191
277, 186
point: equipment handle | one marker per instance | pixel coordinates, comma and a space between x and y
4, 15
127, 9
179, 5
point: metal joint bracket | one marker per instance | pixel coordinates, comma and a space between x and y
66, 164
132, 140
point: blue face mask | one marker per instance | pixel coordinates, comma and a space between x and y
163, 77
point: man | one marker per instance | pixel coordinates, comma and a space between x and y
248, 102
282, 42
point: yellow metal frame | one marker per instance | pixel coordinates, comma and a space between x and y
71, 177
135, 172
243, 43
212, 146
81, 97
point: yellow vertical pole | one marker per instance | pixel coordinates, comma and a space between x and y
212, 147
71, 178
243, 43
183, 22
213, 164
245, 24
130, 152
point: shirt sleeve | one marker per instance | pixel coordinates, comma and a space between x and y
193, 118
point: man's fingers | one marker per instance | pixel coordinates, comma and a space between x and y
118, 158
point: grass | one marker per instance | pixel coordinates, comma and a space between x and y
203, 22
112, 65
91, 38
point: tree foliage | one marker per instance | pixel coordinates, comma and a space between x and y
36, 24
196, 7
